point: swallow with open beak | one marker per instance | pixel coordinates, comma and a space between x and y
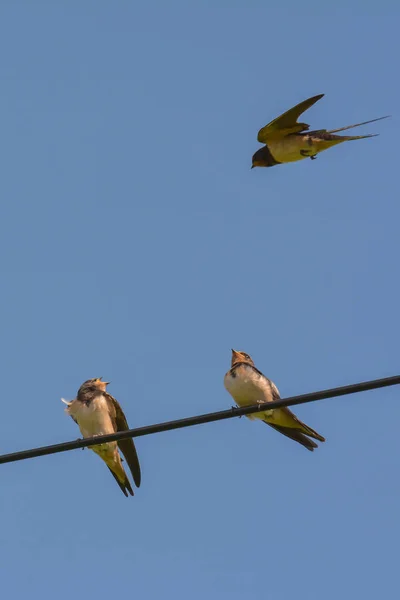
97, 413
247, 385
285, 140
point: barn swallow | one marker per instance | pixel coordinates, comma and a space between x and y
247, 385
285, 141
98, 413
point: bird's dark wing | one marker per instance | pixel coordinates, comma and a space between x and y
300, 427
127, 446
296, 433
287, 123
297, 436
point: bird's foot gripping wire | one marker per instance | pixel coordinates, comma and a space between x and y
233, 409
306, 154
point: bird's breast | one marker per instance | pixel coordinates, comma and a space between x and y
247, 387
289, 148
92, 418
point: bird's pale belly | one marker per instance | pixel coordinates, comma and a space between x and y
292, 148
94, 420
246, 392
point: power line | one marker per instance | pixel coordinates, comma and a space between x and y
200, 419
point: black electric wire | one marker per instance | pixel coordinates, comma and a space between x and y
200, 419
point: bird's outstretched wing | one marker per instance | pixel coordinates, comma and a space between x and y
127, 446
287, 123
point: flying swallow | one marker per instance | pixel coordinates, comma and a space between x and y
285, 141
98, 413
247, 385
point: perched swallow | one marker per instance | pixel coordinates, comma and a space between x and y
98, 413
285, 141
247, 385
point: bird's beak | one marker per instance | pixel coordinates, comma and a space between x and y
252, 167
236, 357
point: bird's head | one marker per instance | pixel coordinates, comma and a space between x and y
101, 385
93, 385
241, 357
258, 159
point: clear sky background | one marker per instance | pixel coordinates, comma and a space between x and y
137, 245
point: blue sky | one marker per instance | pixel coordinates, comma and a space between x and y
137, 245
